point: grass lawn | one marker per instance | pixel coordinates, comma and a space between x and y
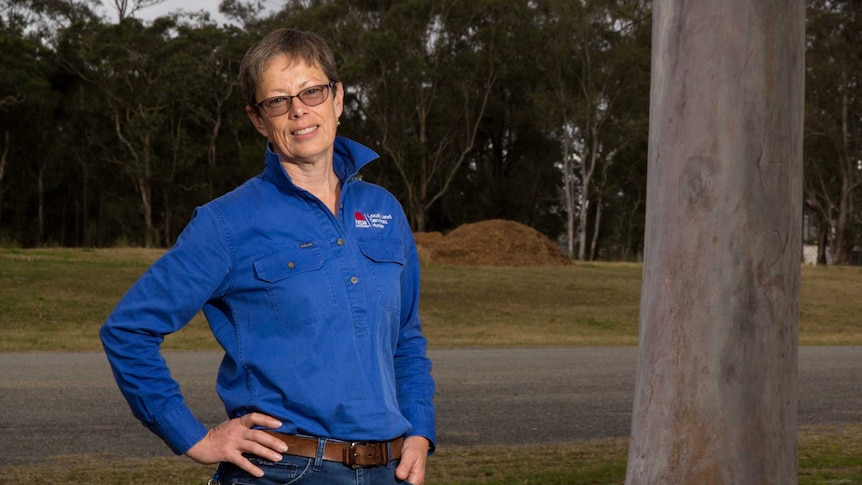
56, 299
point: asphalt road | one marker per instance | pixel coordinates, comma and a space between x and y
67, 403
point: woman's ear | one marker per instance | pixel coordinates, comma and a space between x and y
339, 100
256, 120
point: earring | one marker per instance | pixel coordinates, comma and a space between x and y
337, 122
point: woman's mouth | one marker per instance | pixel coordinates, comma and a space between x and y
305, 131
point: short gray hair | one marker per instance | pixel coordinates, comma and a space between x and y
296, 44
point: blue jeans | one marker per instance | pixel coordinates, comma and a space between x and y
307, 471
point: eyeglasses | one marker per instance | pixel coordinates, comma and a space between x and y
311, 96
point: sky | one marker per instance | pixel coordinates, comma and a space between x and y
171, 6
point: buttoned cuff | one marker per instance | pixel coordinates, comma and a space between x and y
423, 421
179, 428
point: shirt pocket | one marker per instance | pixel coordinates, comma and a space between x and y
386, 260
298, 286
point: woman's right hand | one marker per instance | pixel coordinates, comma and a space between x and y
228, 441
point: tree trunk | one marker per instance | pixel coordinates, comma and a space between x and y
597, 225
716, 389
841, 244
3, 161
145, 177
40, 208
582, 224
569, 197
212, 149
588, 168
85, 239
850, 180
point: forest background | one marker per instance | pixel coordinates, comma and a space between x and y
113, 129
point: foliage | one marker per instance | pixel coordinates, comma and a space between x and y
833, 133
113, 130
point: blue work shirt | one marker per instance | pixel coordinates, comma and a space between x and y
318, 315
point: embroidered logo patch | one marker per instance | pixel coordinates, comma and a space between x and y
377, 220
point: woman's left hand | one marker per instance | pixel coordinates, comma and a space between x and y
414, 453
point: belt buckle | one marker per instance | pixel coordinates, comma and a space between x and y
361, 454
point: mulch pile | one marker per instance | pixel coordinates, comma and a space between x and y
494, 242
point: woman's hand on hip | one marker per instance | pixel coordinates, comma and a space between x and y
229, 440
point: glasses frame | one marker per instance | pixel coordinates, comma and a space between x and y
289, 104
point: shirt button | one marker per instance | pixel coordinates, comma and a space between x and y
340, 242
354, 280
291, 265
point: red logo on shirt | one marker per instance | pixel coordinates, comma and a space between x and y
376, 220
360, 220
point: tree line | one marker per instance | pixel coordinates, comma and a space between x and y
112, 129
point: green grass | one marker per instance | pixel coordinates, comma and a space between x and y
56, 299
555, 305
831, 305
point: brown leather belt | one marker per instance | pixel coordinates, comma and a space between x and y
355, 455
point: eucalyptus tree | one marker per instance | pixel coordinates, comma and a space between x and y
420, 74
29, 155
125, 63
96, 198
587, 80
833, 145
25, 100
510, 172
199, 155
128, 8
14, 81
450, 94
716, 389
621, 236
248, 13
620, 181
58, 170
213, 55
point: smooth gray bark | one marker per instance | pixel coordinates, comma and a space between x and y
716, 387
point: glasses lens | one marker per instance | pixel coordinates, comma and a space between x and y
279, 105
275, 106
314, 95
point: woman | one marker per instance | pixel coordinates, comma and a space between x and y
309, 280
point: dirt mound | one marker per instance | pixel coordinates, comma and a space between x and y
495, 242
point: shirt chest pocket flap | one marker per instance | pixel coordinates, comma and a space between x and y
288, 262
299, 290
386, 260
382, 250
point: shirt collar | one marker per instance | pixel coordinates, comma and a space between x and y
348, 158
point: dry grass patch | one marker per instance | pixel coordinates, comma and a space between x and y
578, 304
830, 454
109, 470
56, 299
594, 461
827, 455
831, 305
